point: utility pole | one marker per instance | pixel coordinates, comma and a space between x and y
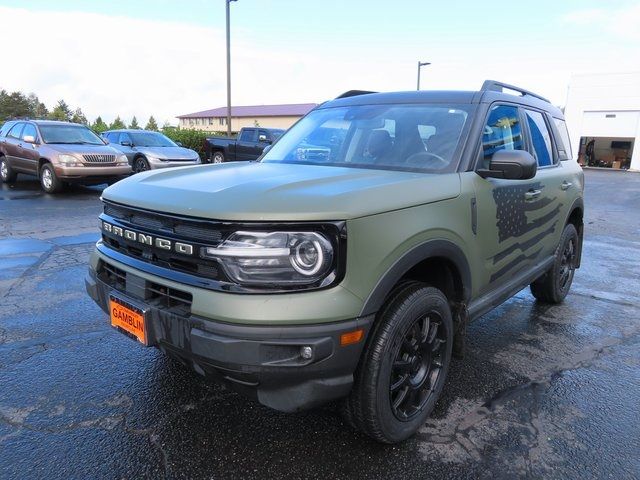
228, 2
421, 64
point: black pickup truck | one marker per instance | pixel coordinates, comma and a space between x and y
248, 146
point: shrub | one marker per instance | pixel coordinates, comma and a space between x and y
193, 139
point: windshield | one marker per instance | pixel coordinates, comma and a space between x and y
151, 139
71, 134
277, 133
421, 138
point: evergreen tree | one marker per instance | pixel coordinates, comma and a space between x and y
38, 109
99, 125
117, 124
151, 124
61, 112
78, 117
13, 105
134, 123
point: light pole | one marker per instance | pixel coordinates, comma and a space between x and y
421, 64
228, 2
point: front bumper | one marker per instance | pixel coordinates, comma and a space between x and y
155, 164
92, 174
263, 362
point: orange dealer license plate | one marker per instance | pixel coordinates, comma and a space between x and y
128, 318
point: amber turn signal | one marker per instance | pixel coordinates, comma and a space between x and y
350, 338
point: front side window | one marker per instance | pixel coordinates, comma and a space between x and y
540, 138
502, 131
424, 138
249, 135
69, 134
29, 131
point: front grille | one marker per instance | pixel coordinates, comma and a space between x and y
99, 158
187, 228
155, 294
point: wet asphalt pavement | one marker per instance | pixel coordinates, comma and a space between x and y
544, 391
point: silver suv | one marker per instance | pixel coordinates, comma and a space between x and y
58, 153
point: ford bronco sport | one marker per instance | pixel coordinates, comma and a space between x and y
348, 270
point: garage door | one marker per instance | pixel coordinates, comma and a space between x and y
610, 124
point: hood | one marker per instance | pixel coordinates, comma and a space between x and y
168, 153
248, 191
83, 149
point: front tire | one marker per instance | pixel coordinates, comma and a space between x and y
554, 285
6, 172
218, 157
140, 164
404, 367
49, 181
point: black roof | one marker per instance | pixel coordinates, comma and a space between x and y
491, 91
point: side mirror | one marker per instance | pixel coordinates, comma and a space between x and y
263, 139
126, 143
510, 165
29, 139
179, 144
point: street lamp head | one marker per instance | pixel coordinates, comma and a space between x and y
422, 64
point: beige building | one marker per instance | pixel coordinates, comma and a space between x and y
268, 116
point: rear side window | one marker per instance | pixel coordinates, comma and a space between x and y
564, 144
502, 131
540, 138
16, 131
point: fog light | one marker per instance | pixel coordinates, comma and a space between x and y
306, 352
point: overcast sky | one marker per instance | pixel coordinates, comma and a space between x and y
167, 57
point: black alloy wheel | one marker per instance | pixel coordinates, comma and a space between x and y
417, 366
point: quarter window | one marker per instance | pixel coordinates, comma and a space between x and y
540, 138
503, 131
564, 144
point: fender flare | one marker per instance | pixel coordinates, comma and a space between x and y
578, 203
430, 249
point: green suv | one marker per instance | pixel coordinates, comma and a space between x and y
347, 261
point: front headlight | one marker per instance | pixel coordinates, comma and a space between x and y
276, 258
69, 161
122, 160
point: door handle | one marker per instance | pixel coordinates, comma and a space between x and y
566, 185
532, 194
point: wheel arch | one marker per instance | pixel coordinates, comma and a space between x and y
441, 263
576, 218
41, 162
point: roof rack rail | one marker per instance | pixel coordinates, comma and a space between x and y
495, 86
353, 93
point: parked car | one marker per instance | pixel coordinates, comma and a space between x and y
148, 150
352, 274
249, 145
58, 153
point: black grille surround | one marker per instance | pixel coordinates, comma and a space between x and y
193, 269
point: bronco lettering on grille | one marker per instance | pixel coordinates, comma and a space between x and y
162, 243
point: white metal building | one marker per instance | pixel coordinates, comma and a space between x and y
603, 116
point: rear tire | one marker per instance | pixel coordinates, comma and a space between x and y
49, 181
554, 285
404, 367
218, 157
6, 172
